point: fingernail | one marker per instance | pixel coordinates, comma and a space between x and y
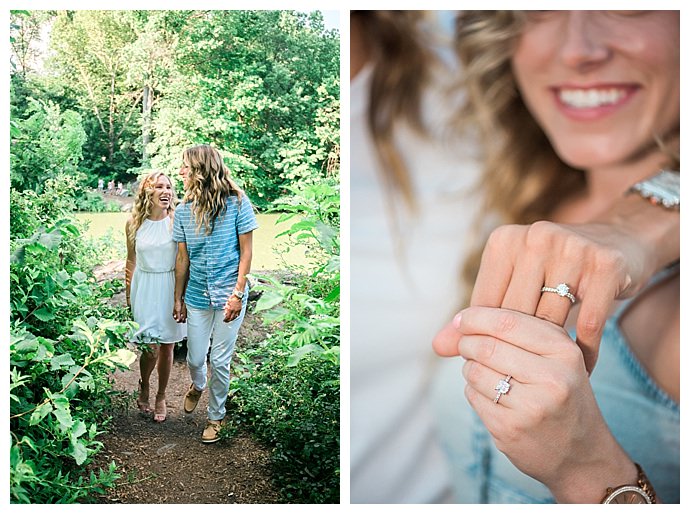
457, 319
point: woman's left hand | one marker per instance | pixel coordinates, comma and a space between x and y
548, 423
600, 262
233, 307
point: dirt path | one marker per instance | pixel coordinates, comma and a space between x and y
167, 462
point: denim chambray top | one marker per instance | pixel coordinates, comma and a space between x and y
214, 259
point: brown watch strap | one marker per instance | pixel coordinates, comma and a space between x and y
644, 483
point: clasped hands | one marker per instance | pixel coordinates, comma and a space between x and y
180, 311
231, 310
548, 424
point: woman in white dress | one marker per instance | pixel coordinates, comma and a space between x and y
150, 284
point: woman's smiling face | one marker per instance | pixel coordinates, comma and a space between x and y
162, 193
601, 84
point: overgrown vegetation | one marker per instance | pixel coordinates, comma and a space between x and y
287, 390
64, 342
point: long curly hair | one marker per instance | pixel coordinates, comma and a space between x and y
209, 186
144, 200
402, 60
523, 178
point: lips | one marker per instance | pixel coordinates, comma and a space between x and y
593, 102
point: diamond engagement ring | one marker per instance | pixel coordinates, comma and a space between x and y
502, 387
560, 290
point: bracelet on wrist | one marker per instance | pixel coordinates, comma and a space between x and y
661, 189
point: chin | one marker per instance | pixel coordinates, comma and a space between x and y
583, 156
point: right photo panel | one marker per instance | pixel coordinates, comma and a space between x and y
515, 257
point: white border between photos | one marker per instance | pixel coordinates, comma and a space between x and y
343, 7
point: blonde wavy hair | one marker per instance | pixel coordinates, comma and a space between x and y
144, 200
402, 59
523, 179
209, 185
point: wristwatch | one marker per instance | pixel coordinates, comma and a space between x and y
642, 492
238, 294
660, 189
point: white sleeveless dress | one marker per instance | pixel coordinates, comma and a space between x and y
153, 284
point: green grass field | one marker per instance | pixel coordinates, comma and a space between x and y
264, 256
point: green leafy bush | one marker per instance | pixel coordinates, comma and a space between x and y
295, 409
29, 210
46, 144
59, 390
93, 202
64, 344
287, 389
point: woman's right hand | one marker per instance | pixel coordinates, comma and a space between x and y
548, 423
180, 311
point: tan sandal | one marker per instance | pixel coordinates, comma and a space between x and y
143, 403
161, 410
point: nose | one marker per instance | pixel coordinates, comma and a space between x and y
584, 45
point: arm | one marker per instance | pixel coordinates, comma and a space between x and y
233, 306
610, 258
131, 262
246, 246
181, 278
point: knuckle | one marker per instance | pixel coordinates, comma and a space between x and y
502, 238
608, 260
505, 323
507, 433
560, 388
589, 327
550, 315
560, 393
471, 394
572, 355
472, 372
486, 349
536, 412
540, 234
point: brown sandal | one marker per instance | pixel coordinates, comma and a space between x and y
161, 410
143, 403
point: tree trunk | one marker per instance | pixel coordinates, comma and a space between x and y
111, 120
146, 127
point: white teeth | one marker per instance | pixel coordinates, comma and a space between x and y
590, 98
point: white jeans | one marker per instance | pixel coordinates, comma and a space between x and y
202, 325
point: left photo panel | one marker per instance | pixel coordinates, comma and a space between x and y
174, 274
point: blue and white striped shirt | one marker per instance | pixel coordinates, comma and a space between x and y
214, 259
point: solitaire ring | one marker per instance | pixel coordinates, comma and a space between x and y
502, 387
560, 290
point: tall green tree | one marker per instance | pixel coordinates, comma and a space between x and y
253, 83
26, 34
262, 86
90, 52
47, 144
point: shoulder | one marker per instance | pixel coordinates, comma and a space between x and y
182, 209
243, 201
